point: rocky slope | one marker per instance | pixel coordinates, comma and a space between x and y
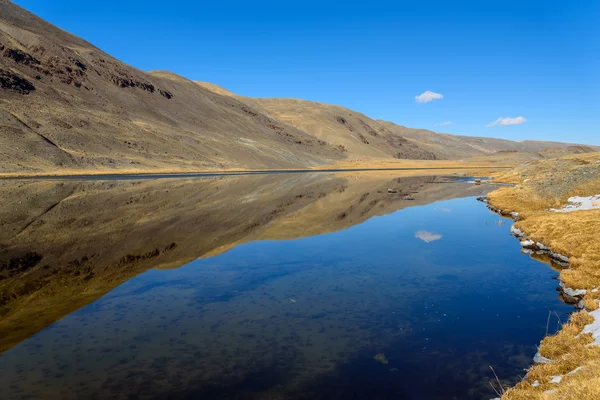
65, 104
68, 107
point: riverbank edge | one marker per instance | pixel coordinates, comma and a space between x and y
202, 173
540, 382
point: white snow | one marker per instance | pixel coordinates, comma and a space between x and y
572, 292
535, 384
556, 379
542, 246
527, 243
576, 370
578, 203
540, 359
516, 231
594, 327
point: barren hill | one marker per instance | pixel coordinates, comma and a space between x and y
355, 132
65, 104
365, 137
68, 107
455, 146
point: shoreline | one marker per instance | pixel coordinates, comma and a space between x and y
567, 363
568, 295
215, 173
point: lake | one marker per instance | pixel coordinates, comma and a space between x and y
295, 286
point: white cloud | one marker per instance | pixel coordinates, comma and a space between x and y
427, 236
428, 96
444, 123
507, 121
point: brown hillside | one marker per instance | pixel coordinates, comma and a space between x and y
68, 107
356, 132
66, 104
455, 146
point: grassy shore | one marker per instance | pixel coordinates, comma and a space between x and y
469, 166
574, 372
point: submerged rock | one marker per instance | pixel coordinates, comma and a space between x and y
380, 358
571, 296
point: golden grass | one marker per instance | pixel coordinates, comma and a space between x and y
569, 350
576, 234
478, 166
539, 186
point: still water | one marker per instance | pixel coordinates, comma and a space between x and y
270, 287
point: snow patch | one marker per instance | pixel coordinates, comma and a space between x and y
576, 370
535, 384
572, 292
556, 379
594, 327
542, 246
578, 203
540, 359
516, 232
527, 243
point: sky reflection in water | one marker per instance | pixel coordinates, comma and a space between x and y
442, 290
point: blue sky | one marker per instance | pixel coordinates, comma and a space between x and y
539, 60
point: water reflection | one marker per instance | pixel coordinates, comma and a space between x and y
427, 236
256, 316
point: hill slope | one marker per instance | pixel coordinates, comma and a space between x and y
68, 107
365, 137
65, 104
355, 132
359, 134
455, 146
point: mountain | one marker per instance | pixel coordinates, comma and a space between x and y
68, 107
446, 146
365, 137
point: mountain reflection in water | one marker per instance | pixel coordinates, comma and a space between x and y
251, 315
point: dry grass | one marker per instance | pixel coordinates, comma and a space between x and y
477, 166
548, 184
569, 350
575, 234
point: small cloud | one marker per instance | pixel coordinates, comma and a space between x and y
427, 236
428, 96
443, 123
507, 121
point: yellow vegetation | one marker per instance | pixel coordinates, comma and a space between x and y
539, 186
